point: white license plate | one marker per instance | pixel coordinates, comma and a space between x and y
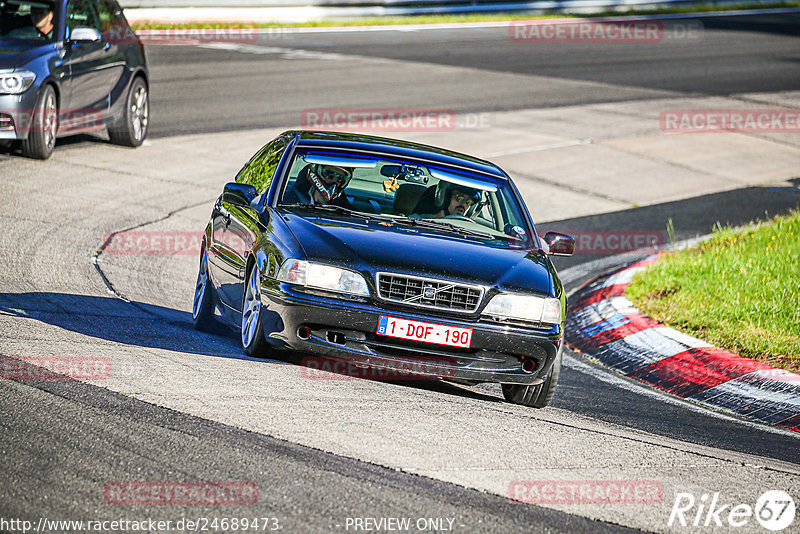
425, 332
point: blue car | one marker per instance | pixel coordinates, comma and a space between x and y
388, 255
70, 66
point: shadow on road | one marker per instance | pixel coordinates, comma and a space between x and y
113, 319
157, 327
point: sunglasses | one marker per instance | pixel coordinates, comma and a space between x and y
461, 198
334, 174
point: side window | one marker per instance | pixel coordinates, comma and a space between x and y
113, 29
260, 170
82, 13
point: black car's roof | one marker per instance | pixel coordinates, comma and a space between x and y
396, 147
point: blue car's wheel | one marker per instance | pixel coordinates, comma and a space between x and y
131, 127
42, 137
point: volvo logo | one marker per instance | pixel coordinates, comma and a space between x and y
429, 292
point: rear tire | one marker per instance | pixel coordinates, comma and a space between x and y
203, 304
131, 128
253, 340
41, 139
535, 396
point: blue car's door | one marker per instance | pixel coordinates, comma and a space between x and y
96, 67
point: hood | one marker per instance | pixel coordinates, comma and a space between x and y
19, 54
379, 246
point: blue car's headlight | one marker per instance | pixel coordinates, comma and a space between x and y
321, 276
525, 308
16, 82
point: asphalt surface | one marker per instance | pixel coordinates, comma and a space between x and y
322, 451
104, 438
268, 81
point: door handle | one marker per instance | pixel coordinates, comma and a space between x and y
106, 46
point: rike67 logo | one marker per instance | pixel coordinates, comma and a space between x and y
774, 510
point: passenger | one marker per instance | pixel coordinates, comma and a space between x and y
449, 199
319, 184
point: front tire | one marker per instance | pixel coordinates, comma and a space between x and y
131, 128
253, 339
535, 396
41, 139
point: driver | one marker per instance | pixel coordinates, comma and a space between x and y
452, 199
42, 18
38, 24
319, 184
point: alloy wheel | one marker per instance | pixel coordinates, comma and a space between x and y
140, 112
50, 120
251, 307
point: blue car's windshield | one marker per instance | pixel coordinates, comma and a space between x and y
24, 20
424, 194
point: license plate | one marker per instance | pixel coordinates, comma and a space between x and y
425, 332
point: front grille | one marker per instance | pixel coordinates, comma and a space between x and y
428, 293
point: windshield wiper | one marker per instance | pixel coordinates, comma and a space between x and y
443, 225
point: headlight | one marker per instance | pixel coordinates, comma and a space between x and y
525, 308
321, 276
14, 83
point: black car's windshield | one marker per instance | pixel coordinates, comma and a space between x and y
419, 194
23, 20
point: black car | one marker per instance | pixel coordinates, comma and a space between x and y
389, 254
70, 66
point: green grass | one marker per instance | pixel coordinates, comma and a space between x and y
472, 17
740, 291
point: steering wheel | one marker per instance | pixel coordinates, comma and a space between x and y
457, 217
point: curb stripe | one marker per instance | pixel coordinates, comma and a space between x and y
604, 324
755, 395
695, 370
614, 328
607, 292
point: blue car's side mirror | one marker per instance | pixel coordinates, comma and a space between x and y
83, 34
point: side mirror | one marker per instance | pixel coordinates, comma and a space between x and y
239, 194
83, 34
559, 244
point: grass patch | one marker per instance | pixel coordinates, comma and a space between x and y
740, 291
470, 17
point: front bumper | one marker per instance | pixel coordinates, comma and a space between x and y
345, 330
16, 112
